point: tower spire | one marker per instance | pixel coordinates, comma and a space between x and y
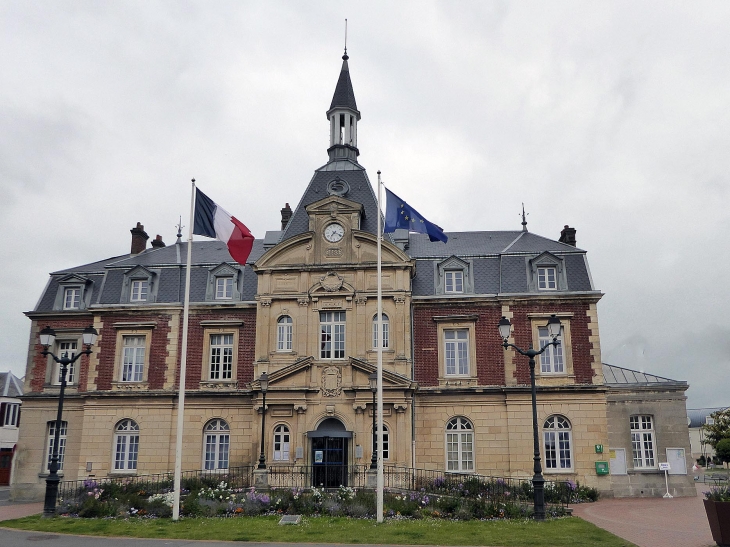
343, 115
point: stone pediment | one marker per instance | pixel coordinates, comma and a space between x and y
390, 379
333, 205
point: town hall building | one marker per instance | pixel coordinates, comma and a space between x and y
303, 310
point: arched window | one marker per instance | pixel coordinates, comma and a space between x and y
217, 442
281, 443
284, 334
386, 442
386, 331
459, 445
557, 443
126, 445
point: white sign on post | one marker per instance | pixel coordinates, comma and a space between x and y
664, 466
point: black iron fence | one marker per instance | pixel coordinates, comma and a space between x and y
396, 478
234, 477
317, 476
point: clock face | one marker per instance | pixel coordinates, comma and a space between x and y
334, 232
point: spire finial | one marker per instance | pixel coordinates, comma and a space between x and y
524, 219
345, 57
179, 230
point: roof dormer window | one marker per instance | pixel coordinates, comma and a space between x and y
547, 279
139, 290
454, 277
72, 298
454, 281
224, 288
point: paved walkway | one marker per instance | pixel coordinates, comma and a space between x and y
652, 522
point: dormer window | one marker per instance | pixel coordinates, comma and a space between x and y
72, 298
454, 277
547, 279
546, 272
224, 283
224, 288
454, 281
139, 290
140, 285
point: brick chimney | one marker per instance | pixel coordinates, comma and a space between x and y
286, 213
567, 235
157, 243
139, 239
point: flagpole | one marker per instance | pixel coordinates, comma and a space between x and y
183, 362
379, 340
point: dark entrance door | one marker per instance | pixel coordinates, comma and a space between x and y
329, 462
6, 459
329, 454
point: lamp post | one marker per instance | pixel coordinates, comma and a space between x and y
538, 482
47, 338
264, 385
373, 379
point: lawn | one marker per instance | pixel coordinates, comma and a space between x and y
561, 532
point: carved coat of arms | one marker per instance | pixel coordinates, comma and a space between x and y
331, 382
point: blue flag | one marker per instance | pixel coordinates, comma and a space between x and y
398, 214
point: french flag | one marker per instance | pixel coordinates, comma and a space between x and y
212, 220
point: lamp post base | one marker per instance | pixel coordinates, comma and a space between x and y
49, 502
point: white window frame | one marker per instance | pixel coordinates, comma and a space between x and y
224, 287
453, 281
75, 298
552, 360
332, 335
557, 442
10, 415
220, 357
643, 441
216, 445
386, 441
547, 278
70, 347
51, 431
284, 333
133, 358
138, 290
386, 331
282, 443
459, 440
456, 352
126, 446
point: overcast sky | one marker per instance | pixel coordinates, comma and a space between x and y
611, 117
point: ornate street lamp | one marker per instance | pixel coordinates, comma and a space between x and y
47, 338
373, 379
538, 482
264, 386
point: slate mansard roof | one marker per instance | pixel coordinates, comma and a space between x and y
624, 377
499, 261
10, 385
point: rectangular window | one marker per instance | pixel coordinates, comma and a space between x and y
10, 414
61, 444
221, 356
68, 349
546, 279
133, 350
551, 360
453, 281
557, 450
642, 441
72, 298
139, 291
386, 442
224, 288
456, 351
332, 334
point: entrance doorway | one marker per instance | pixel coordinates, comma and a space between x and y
329, 454
6, 462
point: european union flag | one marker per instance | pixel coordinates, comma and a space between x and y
398, 214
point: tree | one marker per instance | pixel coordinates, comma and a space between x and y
723, 450
720, 429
